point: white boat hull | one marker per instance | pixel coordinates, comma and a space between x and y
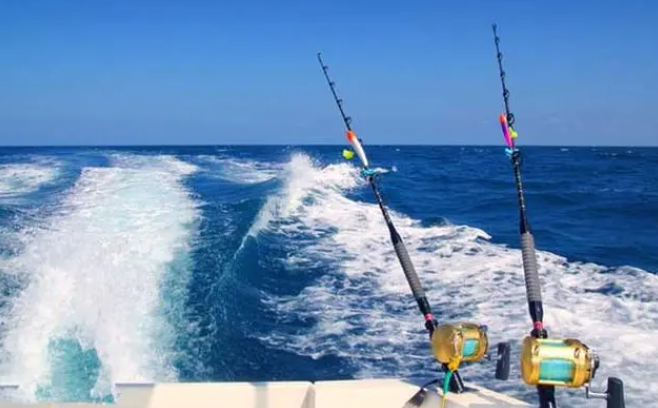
322, 394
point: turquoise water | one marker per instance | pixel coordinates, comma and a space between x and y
273, 263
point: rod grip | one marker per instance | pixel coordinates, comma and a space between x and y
530, 269
409, 270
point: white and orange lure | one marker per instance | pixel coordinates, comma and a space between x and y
356, 144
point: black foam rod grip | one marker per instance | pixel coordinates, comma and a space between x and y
409, 270
530, 269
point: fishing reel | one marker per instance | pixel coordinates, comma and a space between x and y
455, 343
566, 363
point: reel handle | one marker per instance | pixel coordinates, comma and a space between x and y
503, 362
614, 394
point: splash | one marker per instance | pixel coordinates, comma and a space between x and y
92, 313
300, 178
24, 178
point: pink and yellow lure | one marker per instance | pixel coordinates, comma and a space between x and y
508, 133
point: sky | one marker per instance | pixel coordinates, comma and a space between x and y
124, 72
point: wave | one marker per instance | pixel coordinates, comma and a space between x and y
24, 178
93, 312
362, 310
298, 183
240, 171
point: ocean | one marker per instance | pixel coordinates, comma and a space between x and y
262, 263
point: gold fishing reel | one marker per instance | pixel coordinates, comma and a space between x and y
457, 342
566, 363
562, 363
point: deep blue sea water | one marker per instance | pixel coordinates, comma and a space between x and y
273, 263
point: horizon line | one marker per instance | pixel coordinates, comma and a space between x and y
317, 145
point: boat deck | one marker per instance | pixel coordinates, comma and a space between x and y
322, 394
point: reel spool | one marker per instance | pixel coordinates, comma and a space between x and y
454, 343
562, 363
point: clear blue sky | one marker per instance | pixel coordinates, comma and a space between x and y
422, 71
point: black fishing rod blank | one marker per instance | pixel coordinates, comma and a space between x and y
530, 269
545, 363
451, 343
396, 239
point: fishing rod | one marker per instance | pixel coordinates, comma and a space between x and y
396, 239
451, 343
545, 363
